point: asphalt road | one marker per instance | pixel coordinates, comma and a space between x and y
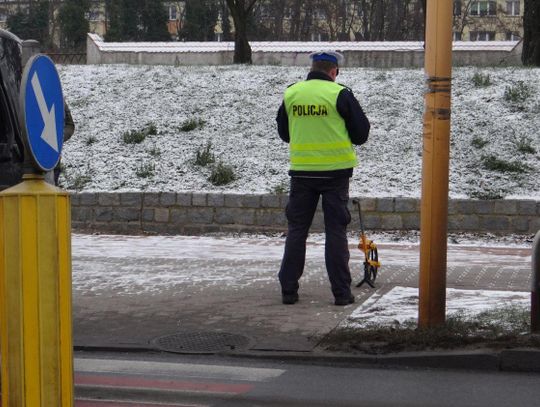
104, 380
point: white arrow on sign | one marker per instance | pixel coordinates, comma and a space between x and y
49, 117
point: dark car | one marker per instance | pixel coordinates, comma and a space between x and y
11, 144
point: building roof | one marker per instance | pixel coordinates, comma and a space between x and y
271, 46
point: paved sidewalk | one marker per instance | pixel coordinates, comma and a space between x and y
128, 291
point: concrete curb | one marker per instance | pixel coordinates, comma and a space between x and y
511, 360
516, 361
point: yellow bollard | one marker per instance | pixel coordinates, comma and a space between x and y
35, 295
435, 164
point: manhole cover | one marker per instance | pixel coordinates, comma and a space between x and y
201, 342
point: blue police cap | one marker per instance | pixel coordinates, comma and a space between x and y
331, 56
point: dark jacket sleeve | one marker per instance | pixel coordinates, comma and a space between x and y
356, 121
283, 123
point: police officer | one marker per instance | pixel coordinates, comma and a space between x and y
321, 120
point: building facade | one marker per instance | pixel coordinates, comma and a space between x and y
500, 20
331, 20
96, 14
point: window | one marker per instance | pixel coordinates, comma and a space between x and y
457, 8
512, 36
173, 13
482, 36
319, 37
319, 15
512, 8
92, 15
287, 13
456, 36
483, 8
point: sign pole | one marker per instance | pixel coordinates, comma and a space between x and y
435, 165
35, 257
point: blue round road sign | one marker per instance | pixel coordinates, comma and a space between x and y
42, 107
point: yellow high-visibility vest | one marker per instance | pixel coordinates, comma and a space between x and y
319, 140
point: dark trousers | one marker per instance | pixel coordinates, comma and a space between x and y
303, 200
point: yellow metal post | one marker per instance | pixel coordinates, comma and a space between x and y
35, 295
435, 166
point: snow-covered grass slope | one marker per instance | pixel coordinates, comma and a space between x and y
495, 141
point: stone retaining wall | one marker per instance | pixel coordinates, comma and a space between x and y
198, 213
385, 55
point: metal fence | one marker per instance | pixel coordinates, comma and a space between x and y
68, 58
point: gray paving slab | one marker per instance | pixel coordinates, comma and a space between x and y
130, 299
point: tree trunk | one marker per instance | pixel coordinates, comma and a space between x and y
531, 33
240, 12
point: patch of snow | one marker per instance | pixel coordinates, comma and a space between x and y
138, 264
238, 105
294, 46
400, 304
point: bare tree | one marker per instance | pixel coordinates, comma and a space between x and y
531, 33
240, 12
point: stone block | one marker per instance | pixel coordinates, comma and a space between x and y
168, 199
270, 201
75, 199
75, 214
251, 201
82, 214
103, 214
183, 199
215, 200
233, 201
403, 205
283, 200
126, 228
385, 205
127, 214
391, 222
108, 199
155, 228
224, 216
484, 207
148, 214
210, 229
471, 222
178, 216
520, 224
268, 217
494, 223
461, 223
534, 225
173, 229
235, 216
193, 230
131, 199
465, 207
367, 204
200, 215
372, 221
452, 206
411, 221
151, 199
161, 215
198, 199
88, 199
527, 207
503, 207
246, 217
